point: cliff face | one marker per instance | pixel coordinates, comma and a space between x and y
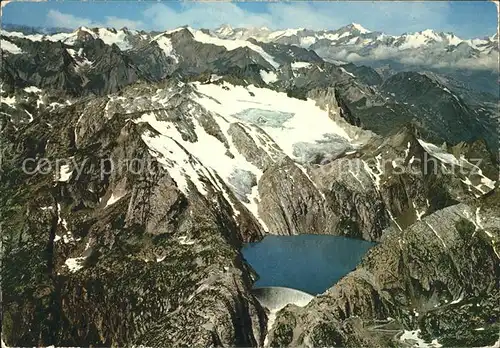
438, 276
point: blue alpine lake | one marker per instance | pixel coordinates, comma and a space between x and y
311, 263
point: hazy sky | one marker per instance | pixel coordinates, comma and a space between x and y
466, 19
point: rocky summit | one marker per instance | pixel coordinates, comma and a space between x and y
136, 165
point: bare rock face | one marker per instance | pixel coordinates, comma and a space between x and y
350, 192
84, 35
412, 280
291, 203
262, 152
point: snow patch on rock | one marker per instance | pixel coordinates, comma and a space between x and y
268, 77
166, 45
300, 65
10, 47
65, 173
412, 339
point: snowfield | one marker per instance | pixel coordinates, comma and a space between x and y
308, 123
280, 126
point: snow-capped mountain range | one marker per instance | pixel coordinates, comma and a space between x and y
354, 43
351, 43
352, 34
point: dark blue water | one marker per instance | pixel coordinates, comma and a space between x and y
311, 263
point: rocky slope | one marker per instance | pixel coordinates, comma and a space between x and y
135, 165
109, 242
435, 282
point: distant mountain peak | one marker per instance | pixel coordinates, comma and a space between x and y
360, 28
225, 29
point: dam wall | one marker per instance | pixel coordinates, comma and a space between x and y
275, 298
